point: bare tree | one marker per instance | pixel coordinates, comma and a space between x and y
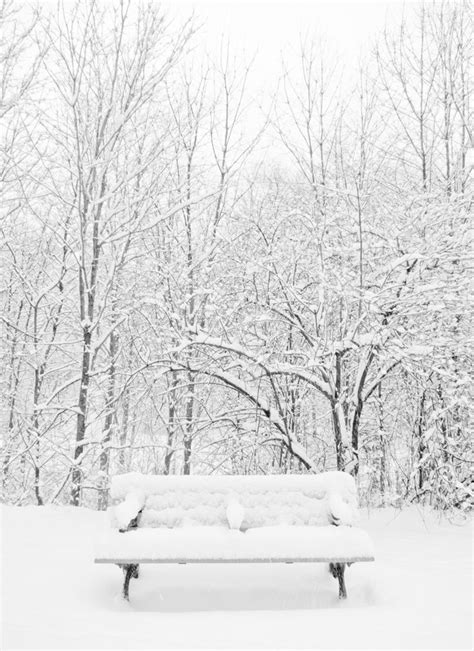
105, 80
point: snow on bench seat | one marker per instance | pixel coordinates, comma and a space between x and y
218, 544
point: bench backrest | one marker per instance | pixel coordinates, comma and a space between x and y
267, 500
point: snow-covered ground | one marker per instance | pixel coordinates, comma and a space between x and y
416, 595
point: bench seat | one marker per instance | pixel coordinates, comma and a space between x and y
218, 544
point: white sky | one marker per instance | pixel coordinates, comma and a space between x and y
264, 30
268, 27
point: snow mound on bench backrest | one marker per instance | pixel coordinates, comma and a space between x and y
190, 500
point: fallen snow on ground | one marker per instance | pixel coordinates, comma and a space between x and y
417, 594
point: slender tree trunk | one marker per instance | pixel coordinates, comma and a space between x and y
337, 413
421, 443
188, 435
87, 296
36, 433
337, 436
110, 418
76, 476
126, 414
172, 406
384, 475
124, 428
13, 394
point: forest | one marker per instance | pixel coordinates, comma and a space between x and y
194, 279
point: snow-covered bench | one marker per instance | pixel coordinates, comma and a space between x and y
234, 519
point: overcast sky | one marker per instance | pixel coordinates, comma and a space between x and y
267, 28
267, 31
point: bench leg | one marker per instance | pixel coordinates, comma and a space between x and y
337, 570
130, 570
135, 573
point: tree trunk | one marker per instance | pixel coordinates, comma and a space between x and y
337, 436
126, 413
36, 433
76, 476
110, 419
12, 397
383, 477
189, 426
171, 422
421, 443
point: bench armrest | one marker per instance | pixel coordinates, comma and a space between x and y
126, 515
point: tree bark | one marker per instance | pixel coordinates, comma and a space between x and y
172, 408
188, 436
110, 418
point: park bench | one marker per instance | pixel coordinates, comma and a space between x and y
234, 519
